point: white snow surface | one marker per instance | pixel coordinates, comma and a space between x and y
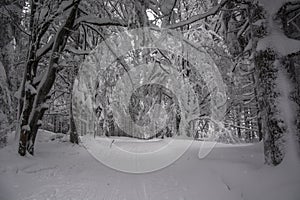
64, 171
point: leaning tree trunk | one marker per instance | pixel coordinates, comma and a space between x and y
34, 95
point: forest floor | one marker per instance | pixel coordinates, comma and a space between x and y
62, 171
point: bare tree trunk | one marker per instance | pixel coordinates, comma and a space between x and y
238, 119
73, 130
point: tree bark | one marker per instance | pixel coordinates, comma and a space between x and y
34, 106
271, 118
73, 130
276, 128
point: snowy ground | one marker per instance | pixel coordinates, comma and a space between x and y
62, 171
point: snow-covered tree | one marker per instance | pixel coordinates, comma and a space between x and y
275, 83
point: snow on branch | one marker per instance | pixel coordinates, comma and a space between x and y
46, 48
48, 79
30, 88
90, 19
282, 44
276, 39
198, 17
78, 51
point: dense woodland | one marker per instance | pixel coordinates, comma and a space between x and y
255, 47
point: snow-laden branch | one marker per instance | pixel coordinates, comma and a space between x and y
198, 17
47, 81
44, 49
90, 19
78, 51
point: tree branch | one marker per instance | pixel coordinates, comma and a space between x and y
90, 19
198, 17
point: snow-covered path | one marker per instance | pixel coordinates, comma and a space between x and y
62, 171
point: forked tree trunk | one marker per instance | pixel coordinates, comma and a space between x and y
33, 103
